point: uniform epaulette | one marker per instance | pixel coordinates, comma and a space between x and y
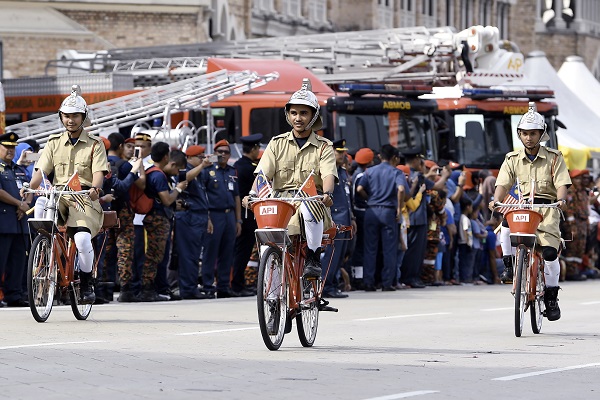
324, 139
280, 136
512, 154
55, 136
2, 165
555, 151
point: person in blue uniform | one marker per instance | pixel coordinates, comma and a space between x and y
385, 187
417, 232
191, 223
244, 243
13, 223
341, 213
225, 212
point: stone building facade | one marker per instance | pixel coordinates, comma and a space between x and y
36, 31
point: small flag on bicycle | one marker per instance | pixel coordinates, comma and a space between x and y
74, 184
262, 186
309, 186
316, 208
511, 198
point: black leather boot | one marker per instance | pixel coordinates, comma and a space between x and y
273, 322
507, 274
312, 264
551, 301
86, 288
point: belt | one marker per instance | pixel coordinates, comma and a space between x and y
224, 210
542, 201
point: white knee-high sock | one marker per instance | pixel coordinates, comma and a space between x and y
38, 208
313, 229
552, 272
83, 242
507, 249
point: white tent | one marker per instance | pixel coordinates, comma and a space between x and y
580, 80
582, 133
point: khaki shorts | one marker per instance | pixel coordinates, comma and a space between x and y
92, 217
548, 233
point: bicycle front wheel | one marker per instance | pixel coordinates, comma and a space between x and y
537, 305
41, 278
307, 320
272, 298
80, 311
520, 289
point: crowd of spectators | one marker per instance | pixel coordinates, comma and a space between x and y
186, 245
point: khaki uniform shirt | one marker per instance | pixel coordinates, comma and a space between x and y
548, 172
86, 157
289, 166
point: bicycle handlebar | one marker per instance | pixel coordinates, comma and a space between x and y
527, 205
252, 200
54, 191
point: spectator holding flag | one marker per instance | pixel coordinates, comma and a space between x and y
76, 158
545, 168
294, 161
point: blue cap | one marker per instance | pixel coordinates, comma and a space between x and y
340, 145
251, 140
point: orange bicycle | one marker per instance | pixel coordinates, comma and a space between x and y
53, 263
528, 281
282, 293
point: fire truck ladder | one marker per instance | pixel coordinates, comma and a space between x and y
189, 94
435, 56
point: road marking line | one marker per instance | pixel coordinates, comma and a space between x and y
216, 331
404, 395
589, 303
49, 344
403, 316
548, 371
498, 309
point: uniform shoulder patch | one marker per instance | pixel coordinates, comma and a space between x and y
280, 136
54, 136
512, 154
324, 139
554, 151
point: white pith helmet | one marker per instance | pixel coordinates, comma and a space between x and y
533, 120
306, 97
74, 103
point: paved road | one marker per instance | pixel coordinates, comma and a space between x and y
436, 343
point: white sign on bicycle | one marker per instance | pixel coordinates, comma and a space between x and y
268, 210
521, 217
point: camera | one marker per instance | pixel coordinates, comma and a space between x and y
181, 176
137, 152
213, 158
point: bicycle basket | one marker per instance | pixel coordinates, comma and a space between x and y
523, 221
273, 213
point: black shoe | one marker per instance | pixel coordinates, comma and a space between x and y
199, 296
247, 292
507, 274
169, 295
335, 295
273, 322
86, 288
225, 294
415, 284
2, 303
17, 303
128, 296
149, 295
370, 288
312, 264
388, 289
551, 301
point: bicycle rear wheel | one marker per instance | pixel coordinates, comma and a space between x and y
80, 311
307, 320
520, 289
537, 305
41, 278
272, 298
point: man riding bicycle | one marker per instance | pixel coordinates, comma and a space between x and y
66, 153
289, 159
547, 169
